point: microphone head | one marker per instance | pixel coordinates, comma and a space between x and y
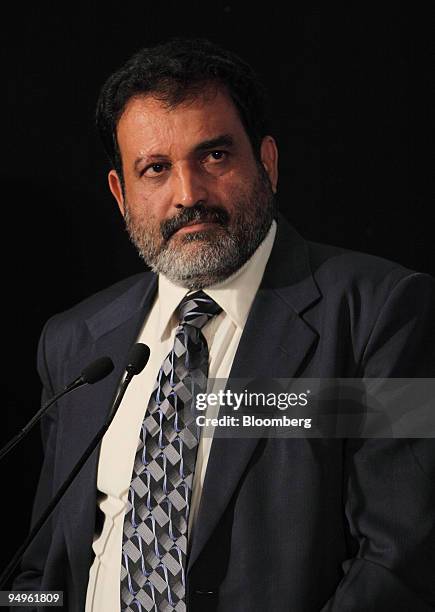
137, 358
97, 370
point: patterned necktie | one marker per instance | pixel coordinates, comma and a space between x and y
154, 546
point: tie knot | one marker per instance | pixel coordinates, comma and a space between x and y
197, 308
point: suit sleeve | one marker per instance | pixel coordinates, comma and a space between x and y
389, 484
33, 562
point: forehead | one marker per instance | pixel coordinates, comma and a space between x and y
148, 122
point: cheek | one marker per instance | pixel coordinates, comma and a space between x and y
236, 190
140, 206
148, 203
227, 189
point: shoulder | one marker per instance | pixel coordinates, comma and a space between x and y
337, 270
386, 308
72, 327
96, 302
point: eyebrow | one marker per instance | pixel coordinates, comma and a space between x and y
223, 140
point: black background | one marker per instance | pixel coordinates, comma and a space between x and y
351, 118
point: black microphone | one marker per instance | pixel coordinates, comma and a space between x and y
137, 360
95, 371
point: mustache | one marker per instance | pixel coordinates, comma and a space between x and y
198, 213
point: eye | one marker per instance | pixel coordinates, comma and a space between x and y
217, 155
154, 169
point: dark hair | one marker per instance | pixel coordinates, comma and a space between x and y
173, 72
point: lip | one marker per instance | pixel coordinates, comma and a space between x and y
195, 227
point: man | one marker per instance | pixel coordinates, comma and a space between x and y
161, 520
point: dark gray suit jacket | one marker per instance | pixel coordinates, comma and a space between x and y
298, 525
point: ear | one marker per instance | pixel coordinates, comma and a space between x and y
116, 189
269, 159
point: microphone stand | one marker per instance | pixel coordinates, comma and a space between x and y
94, 372
7, 572
14, 441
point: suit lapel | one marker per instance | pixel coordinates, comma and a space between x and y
115, 330
275, 343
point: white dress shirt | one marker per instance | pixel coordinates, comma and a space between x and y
235, 296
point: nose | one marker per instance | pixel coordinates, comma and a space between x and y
188, 187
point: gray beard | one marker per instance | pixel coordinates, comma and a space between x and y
204, 258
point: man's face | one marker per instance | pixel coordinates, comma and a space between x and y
196, 201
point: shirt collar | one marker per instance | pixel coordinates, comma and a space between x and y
234, 295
